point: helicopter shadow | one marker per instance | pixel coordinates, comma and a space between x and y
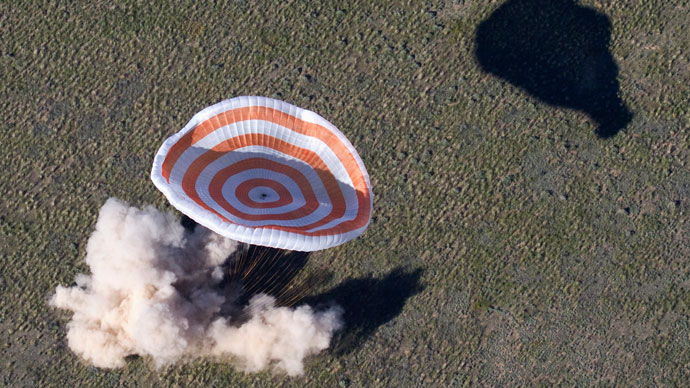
558, 52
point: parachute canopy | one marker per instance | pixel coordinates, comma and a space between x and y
266, 172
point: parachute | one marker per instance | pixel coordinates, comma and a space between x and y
265, 172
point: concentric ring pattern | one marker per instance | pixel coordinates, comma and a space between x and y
266, 172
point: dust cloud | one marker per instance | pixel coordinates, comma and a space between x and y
159, 291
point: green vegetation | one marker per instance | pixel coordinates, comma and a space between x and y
549, 256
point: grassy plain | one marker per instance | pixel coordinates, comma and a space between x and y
547, 255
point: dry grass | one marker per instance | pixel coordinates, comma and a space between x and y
547, 255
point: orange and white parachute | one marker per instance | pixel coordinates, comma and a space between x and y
266, 172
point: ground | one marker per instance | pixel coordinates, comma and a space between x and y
510, 244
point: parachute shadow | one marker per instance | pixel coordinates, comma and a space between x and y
557, 51
368, 303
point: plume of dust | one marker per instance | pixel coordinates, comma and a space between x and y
157, 290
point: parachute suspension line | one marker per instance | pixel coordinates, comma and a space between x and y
265, 262
252, 262
295, 292
277, 275
270, 271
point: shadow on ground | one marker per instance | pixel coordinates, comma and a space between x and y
558, 52
368, 303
